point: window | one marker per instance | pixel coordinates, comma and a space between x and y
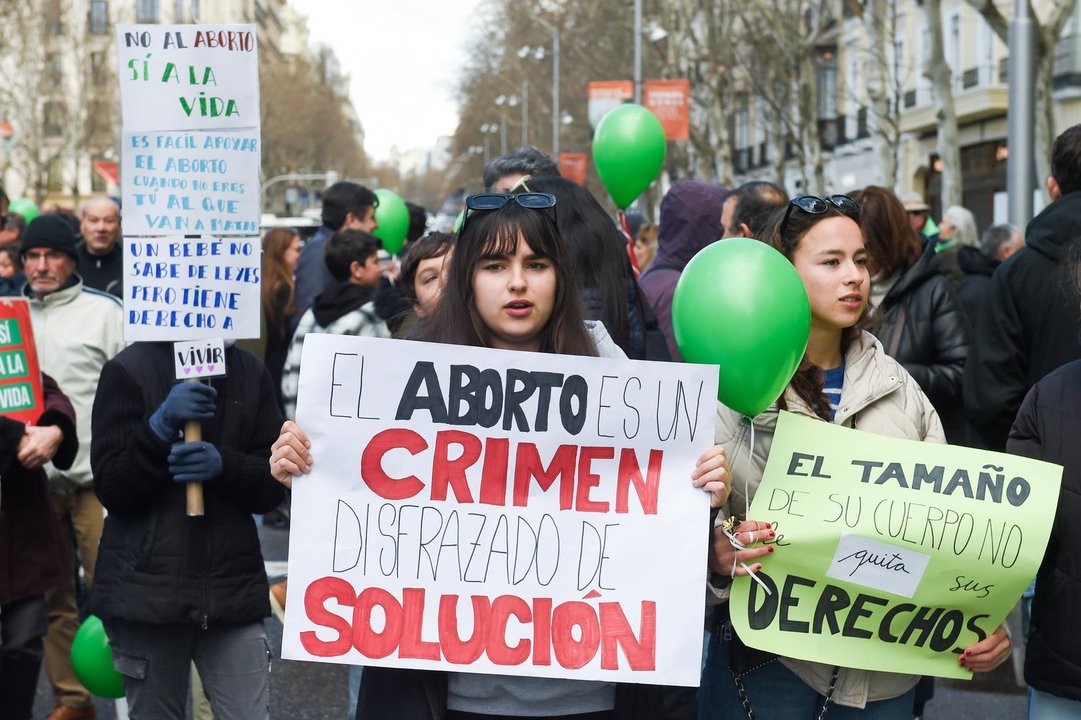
54, 119
99, 17
826, 61
54, 68
55, 175
147, 11
54, 18
186, 11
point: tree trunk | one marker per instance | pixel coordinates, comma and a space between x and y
1044, 109
938, 72
883, 118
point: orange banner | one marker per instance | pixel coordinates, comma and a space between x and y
668, 100
605, 95
573, 166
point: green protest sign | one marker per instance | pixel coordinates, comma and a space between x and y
892, 555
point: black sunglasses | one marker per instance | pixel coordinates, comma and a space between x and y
483, 202
815, 205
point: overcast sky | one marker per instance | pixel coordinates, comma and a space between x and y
404, 58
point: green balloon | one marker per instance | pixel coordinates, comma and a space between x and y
741, 305
628, 151
25, 207
93, 660
393, 218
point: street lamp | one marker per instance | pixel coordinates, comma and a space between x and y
488, 129
538, 53
502, 100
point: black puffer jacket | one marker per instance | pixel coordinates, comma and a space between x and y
156, 565
1029, 324
978, 269
921, 325
1048, 426
645, 340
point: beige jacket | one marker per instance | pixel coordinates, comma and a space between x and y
878, 396
76, 330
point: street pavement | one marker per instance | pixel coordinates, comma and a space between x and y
319, 691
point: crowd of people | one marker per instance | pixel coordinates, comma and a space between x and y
946, 336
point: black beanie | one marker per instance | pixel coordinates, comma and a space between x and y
51, 232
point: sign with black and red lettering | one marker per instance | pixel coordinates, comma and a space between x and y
499, 512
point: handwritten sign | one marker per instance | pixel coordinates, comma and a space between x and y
199, 359
183, 288
892, 555
21, 395
188, 76
497, 512
191, 182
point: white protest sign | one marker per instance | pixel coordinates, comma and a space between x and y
188, 76
199, 359
191, 182
180, 288
496, 512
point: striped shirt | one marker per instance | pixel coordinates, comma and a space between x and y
834, 380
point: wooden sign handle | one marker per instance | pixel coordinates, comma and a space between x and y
193, 432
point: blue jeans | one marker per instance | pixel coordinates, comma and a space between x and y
776, 693
1044, 706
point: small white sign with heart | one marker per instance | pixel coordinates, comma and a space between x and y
199, 358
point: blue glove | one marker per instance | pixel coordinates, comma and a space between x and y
194, 462
186, 402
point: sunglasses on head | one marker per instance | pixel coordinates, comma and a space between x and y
484, 202
815, 205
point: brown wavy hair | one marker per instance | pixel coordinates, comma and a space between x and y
497, 232
808, 381
891, 242
277, 276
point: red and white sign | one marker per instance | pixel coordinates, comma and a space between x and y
605, 95
668, 100
499, 512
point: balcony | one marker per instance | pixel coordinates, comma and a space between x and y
1067, 72
979, 103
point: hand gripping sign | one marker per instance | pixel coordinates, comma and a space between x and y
499, 512
892, 555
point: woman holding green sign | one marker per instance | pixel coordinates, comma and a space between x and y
845, 377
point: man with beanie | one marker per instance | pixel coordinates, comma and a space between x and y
76, 331
690, 220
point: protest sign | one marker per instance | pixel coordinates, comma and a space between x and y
486, 511
188, 77
180, 288
21, 395
199, 359
191, 182
892, 555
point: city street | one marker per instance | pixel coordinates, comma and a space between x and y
316, 691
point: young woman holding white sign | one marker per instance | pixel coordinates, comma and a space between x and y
509, 286
845, 378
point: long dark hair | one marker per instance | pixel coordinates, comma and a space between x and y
808, 381
277, 279
497, 232
891, 242
597, 250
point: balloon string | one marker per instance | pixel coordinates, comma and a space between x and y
747, 509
